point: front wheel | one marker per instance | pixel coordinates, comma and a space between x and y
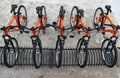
82, 50
37, 53
22, 16
11, 52
58, 52
98, 18
74, 13
109, 53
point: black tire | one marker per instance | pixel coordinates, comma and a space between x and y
44, 20
74, 9
58, 52
82, 58
100, 12
11, 49
37, 53
22, 11
109, 53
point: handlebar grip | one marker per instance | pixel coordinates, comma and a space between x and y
3, 28
118, 27
55, 26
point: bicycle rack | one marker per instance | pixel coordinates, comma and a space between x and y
48, 57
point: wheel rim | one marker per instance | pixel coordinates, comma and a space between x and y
81, 55
22, 16
73, 20
58, 54
97, 18
108, 54
38, 56
44, 16
11, 54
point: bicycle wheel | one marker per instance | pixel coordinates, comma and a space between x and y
37, 53
109, 53
74, 13
44, 16
11, 52
58, 51
82, 50
98, 19
22, 16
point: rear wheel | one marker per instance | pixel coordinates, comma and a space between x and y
44, 16
82, 51
58, 51
74, 13
109, 53
22, 16
11, 53
98, 19
37, 53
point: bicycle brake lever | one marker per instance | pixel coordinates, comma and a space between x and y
55, 26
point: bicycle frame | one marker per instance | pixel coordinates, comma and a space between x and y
60, 22
14, 18
39, 22
80, 23
106, 17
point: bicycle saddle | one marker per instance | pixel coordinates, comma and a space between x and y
38, 9
13, 7
81, 11
62, 12
108, 7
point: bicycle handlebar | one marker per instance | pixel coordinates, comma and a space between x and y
72, 27
9, 27
118, 27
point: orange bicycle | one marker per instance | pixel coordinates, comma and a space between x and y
11, 48
78, 25
59, 25
61, 38
108, 48
40, 25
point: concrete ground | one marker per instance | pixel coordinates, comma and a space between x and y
63, 72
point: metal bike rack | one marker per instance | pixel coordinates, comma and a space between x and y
48, 57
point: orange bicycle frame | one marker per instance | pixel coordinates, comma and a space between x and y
112, 31
39, 22
14, 17
60, 22
80, 23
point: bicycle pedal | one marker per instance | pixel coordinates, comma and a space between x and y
71, 36
78, 32
43, 32
21, 32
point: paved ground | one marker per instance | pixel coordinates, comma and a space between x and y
63, 72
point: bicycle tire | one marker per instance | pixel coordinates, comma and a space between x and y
37, 60
24, 18
44, 20
99, 25
109, 55
81, 43
15, 49
74, 8
58, 52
